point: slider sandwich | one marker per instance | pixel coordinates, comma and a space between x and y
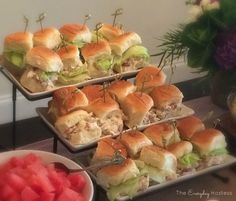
162, 134
16, 45
148, 78
66, 100
136, 107
93, 92
76, 34
159, 163
43, 66
167, 100
211, 146
106, 149
109, 114
188, 126
74, 71
122, 180
79, 127
47, 37
120, 89
98, 57
134, 141
187, 160
129, 53
109, 32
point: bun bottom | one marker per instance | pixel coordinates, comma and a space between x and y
32, 84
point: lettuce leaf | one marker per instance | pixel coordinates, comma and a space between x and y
136, 51
104, 62
15, 58
218, 152
189, 159
129, 188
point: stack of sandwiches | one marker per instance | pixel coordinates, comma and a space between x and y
77, 57
158, 154
81, 119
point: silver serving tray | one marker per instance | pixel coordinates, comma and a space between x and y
43, 114
38, 95
84, 159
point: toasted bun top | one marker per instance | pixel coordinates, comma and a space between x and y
189, 126
67, 52
96, 49
139, 101
93, 92
109, 31
107, 147
121, 43
134, 137
208, 140
166, 95
44, 58
161, 134
116, 174
67, 99
48, 37
134, 141
19, 41
149, 77
180, 149
71, 31
158, 157
121, 88
103, 107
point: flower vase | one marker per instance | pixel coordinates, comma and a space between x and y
221, 86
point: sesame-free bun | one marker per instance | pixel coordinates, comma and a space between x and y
180, 149
47, 37
106, 149
76, 32
134, 141
102, 108
18, 42
32, 84
44, 59
135, 106
109, 31
208, 140
121, 43
117, 174
91, 51
188, 126
93, 92
121, 88
162, 134
68, 99
149, 77
70, 56
166, 96
84, 129
159, 158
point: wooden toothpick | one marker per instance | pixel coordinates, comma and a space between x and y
26, 21
145, 79
118, 12
86, 18
40, 19
98, 26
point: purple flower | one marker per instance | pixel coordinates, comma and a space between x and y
225, 54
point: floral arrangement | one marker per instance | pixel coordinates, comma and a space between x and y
207, 40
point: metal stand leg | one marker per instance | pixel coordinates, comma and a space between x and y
14, 117
54, 144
